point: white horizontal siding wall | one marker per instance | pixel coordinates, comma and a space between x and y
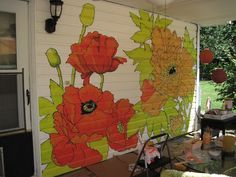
110, 20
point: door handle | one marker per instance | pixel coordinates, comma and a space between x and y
28, 96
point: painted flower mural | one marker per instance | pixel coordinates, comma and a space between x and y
83, 122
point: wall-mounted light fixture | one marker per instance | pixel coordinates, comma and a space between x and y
55, 10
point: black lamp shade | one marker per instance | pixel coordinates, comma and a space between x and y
55, 10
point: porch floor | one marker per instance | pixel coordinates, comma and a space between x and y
118, 166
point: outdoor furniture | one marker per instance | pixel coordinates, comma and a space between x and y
158, 162
210, 160
200, 116
220, 124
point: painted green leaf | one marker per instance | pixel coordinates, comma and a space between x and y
147, 27
147, 48
46, 106
162, 22
157, 128
171, 103
47, 124
145, 69
138, 107
139, 37
144, 15
186, 105
101, 146
53, 170
135, 19
142, 36
56, 92
171, 111
170, 114
139, 54
189, 45
160, 123
46, 152
188, 99
148, 24
137, 122
152, 18
150, 125
142, 57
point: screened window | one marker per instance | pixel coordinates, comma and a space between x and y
14, 69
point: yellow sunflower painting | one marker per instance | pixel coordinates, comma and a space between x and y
173, 65
172, 71
167, 66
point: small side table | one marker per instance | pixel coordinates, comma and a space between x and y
225, 124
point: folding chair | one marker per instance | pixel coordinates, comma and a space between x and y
150, 170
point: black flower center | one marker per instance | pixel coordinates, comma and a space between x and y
88, 107
172, 70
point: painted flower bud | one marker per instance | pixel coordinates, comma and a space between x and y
87, 14
53, 57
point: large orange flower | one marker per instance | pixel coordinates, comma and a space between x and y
87, 108
84, 116
173, 64
173, 71
117, 132
96, 53
71, 149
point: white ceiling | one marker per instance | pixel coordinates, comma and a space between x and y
202, 12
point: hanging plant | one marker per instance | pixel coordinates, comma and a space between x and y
206, 56
219, 75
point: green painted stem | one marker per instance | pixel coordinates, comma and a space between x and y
60, 76
73, 73
82, 33
102, 81
73, 76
